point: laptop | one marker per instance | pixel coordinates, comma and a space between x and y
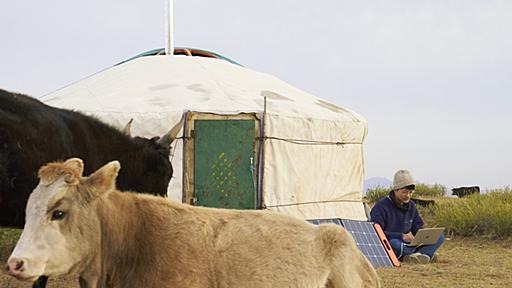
427, 236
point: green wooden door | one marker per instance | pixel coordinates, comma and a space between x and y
224, 163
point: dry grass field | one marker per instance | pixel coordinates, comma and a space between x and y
469, 262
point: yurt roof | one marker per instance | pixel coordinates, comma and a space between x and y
161, 86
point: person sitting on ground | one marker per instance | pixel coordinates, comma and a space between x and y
400, 220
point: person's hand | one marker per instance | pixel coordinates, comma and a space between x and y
408, 237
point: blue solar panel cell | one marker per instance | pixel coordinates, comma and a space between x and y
366, 239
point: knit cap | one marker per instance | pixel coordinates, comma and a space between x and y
402, 179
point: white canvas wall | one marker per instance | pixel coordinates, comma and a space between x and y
156, 90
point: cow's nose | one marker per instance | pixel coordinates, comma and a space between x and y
15, 266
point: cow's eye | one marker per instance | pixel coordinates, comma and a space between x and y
58, 215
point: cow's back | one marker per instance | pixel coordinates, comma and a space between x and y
33, 134
196, 246
25, 129
208, 247
265, 245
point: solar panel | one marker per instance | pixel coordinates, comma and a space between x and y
336, 221
367, 240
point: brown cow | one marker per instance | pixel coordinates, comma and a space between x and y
84, 225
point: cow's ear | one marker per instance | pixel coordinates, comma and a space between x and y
76, 168
71, 170
104, 179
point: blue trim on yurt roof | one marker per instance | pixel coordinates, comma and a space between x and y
182, 51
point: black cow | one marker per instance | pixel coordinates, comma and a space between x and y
465, 191
33, 133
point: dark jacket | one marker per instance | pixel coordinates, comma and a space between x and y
396, 221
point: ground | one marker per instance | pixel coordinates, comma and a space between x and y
472, 262
462, 263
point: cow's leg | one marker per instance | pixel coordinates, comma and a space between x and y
88, 283
40, 282
352, 272
92, 276
83, 283
348, 266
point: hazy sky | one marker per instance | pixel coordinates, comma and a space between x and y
433, 78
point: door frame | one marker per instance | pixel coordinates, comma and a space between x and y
188, 151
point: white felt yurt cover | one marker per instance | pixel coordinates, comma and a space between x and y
313, 155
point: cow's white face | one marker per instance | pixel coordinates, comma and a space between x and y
44, 247
62, 229
61, 224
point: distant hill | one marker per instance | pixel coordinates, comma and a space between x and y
376, 182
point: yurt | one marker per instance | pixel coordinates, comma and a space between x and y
249, 140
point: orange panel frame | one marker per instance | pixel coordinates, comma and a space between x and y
386, 244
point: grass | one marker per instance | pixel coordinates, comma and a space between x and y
8, 238
484, 215
422, 191
487, 215
463, 262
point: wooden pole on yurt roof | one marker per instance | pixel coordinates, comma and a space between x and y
169, 45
